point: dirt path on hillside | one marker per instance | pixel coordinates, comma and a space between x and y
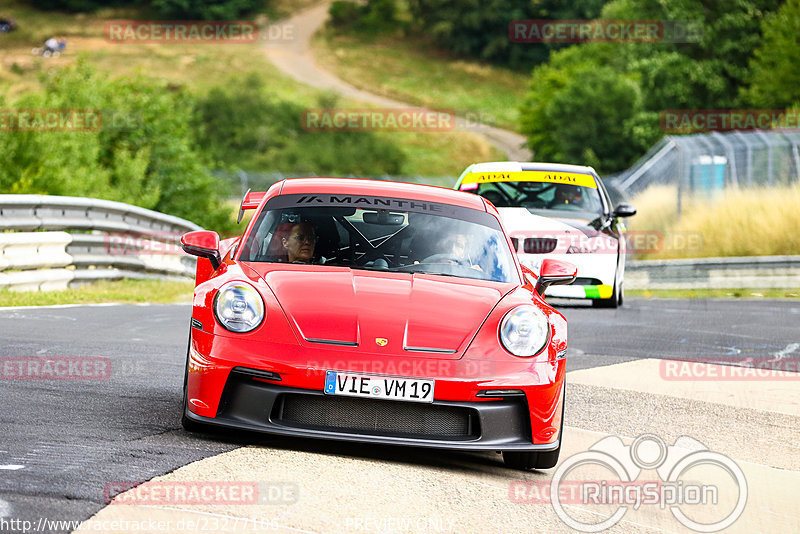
295, 58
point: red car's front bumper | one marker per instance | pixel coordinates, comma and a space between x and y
278, 388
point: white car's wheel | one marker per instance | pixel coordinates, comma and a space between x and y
611, 302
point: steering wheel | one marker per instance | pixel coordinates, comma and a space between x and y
445, 258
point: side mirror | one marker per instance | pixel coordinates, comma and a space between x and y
624, 210
203, 243
555, 272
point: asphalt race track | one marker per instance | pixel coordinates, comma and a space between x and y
62, 442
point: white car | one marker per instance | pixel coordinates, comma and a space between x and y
563, 212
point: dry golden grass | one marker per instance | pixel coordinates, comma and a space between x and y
656, 208
738, 222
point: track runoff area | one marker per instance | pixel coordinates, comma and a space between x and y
674, 422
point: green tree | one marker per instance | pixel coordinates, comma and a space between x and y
479, 28
589, 110
775, 79
241, 126
207, 9
142, 153
647, 79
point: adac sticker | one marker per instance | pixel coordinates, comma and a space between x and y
571, 178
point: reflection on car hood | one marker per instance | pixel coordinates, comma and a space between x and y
410, 311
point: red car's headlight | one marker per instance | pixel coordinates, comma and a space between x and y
524, 331
238, 307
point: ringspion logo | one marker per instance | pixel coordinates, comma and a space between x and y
609, 478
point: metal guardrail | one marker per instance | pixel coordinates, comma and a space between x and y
52, 242
757, 272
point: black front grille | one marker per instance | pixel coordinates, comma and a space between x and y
376, 417
586, 282
539, 245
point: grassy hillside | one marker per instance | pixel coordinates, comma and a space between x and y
408, 70
200, 68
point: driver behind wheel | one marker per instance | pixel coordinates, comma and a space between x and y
300, 243
454, 250
567, 196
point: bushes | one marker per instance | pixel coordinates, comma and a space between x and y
374, 16
207, 9
174, 9
631, 84
158, 143
239, 125
144, 153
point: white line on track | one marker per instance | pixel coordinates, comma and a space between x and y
790, 348
5, 508
11, 467
93, 305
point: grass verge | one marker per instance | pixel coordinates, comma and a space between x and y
714, 293
126, 291
410, 72
736, 222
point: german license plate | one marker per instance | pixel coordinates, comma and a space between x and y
378, 387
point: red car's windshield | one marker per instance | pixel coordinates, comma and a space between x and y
424, 237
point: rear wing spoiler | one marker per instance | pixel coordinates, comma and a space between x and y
250, 201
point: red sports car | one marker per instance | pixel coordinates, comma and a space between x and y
377, 312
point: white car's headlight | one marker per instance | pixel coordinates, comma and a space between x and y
239, 307
524, 331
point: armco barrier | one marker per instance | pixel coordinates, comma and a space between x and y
51, 242
757, 272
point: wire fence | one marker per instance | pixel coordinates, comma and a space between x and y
695, 165
706, 164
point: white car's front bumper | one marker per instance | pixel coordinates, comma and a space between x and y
598, 267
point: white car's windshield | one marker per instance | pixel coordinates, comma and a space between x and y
452, 241
550, 200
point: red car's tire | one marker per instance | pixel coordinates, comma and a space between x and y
188, 424
526, 461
